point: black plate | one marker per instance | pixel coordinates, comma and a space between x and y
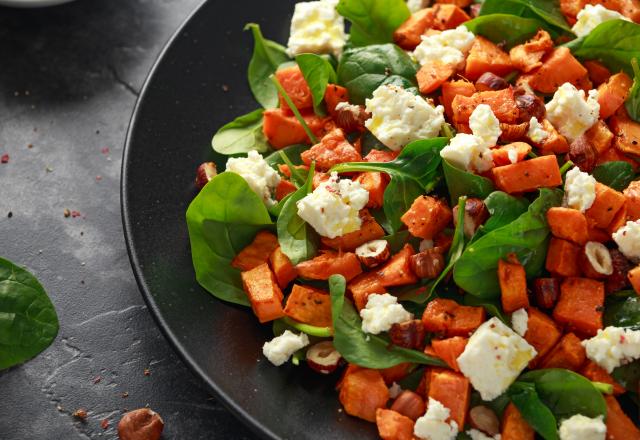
197, 85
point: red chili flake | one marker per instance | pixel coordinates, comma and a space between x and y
4, 158
104, 423
98, 178
622, 339
105, 150
75, 214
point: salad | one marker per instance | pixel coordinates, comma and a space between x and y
440, 209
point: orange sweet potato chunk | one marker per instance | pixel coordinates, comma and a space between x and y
555, 143
513, 284
580, 305
599, 136
528, 56
634, 278
282, 129
393, 425
514, 426
375, 183
296, 86
502, 154
568, 354
334, 95
568, 224
330, 263
562, 258
542, 333
407, 36
529, 175
284, 271
364, 285
605, 207
284, 188
557, 68
613, 93
369, 230
632, 197
451, 89
595, 373
485, 56
427, 217
432, 75
362, 392
309, 305
263, 292
257, 252
453, 390
502, 103
449, 16
450, 349
333, 149
397, 271
619, 425
626, 132
449, 318
598, 73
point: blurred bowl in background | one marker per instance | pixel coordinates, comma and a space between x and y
32, 3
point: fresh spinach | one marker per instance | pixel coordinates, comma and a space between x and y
293, 152
546, 11
533, 410
477, 269
241, 135
373, 21
461, 182
399, 239
224, 218
363, 69
311, 330
28, 320
622, 310
357, 347
297, 239
504, 209
414, 172
632, 104
318, 72
267, 56
628, 376
506, 29
618, 175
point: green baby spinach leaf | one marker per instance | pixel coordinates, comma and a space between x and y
282, 324
357, 347
373, 21
477, 269
628, 376
632, 104
267, 56
533, 410
621, 311
28, 320
318, 72
292, 152
504, 209
363, 69
414, 172
224, 218
461, 182
546, 11
241, 135
618, 175
297, 238
510, 30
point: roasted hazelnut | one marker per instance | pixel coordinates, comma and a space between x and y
427, 264
475, 9
530, 106
373, 253
513, 132
475, 214
350, 117
323, 357
546, 292
205, 172
407, 334
490, 81
582, 154
484, 419
595, 261
620, 268
409, 404
140, 424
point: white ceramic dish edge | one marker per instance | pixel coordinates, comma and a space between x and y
32, 3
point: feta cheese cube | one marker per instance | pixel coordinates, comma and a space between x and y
591, 16
282, 347
536, 133
494, 357
381, 312
260, 177
399, 117
579, 190
613, 347
333, 208
433, 424
468, 152
448, 47
316, 27
628, 240
479, 435
520, 321
580, 427
485, 125
570, 113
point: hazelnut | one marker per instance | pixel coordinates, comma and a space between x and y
323, 357
620, 268
140, 424
484, 419
595, 260
490, 81
409, 404
427, 264
350, 117
205, 172
530, 105
582, 154
546, 291
408, 334
373, 253
513, 132
475, 214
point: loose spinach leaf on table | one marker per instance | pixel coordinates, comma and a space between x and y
373, 21
510, 30
414, 172
476, 271
297, 239
357, 347
364, 69
318, 72
461, 183
28, 320
618, 175
546, 11
533, 410
267, 56
224, 218
241, 135
622, 310
632, 104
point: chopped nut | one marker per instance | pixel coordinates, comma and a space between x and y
408, 334
530, 105
475, 214
409, 404
595, 260
427, 264
67, 213
205, 172
80, 414
490, 81
583, 154
350, 117
373, 253
323, 357
140, 424
546, 291
620, 268
104, 424
484, 419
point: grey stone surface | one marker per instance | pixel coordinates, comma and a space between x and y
69, 78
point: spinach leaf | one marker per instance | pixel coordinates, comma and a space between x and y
28, 320
414, 172
363, 69
537, 414
618, 175
622, 312
628, 376
547, 11
293, 152
504, 28
224, 218
373, 21
614, 43
286, 323
357, 347
318, 72
399, 239
477, 269
632, 104
267, 56
297, 239
461, 182
504, 209
241, 135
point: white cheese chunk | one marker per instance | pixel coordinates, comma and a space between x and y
613, 347
416, 5
316, 27
536, 133
591, 16
520, 321
399, 117
479, 435
580, 427
260, 177
433, 424
494, 357
282, 347
570, 113
485, 125
468, 152
448, 47
628, 240
332, 209
579, 190
381, 312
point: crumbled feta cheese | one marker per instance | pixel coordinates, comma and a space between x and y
536, 133
425, 245
399, 117
485, 125
260, 177
316, 27
433, 424
512, 154
332, 209
394, 390
570, 113
579, 190
381, 312
494, 357
580, 427
613, 347
447, 47
591, 16
479, 435
468, 152
628, 240
416, 5
282, 347
520, 321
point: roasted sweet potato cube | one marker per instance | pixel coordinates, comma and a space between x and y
450, 349
407, 36
375, 183
284, 188
555, 143
396, 373
397, 271
432, 75
330, 263
598, 73
595, 373
283, 129
362, 392
568, 224
451, 89
605, 207
502, 103
453, 390
626, 132
449, 16
257, 252
513, 284
393, 425
613, 93
614, 155
529, 175
619, 425
632, 196
364, 285
309, 305
293, 82
580, 305
503, 154
562, 258
265, 296
634, 278
542, 333
281, 266
528, 56
447, 317
514, 426
568, 353
485, 56
558, 67
619, 220
332, 149
599, 136
369, 230
334, 95
427, 217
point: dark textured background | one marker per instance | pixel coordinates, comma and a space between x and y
69, 78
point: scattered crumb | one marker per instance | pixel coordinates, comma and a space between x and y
125, 395
98, 178
104, 424
147, 372
105, 150
96, 379
30, 146
80, 414
4, 158
48, 169
10, 214
75, 214
225, 88
67, 213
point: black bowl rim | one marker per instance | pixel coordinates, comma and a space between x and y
251, 422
